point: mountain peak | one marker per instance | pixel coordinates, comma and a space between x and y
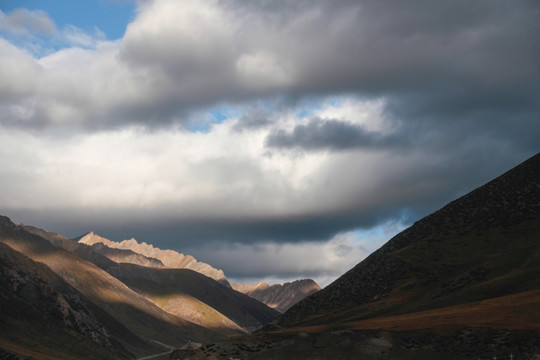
5, 221
279, 296
169, 258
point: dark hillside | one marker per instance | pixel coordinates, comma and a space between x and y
482, 245
40, 310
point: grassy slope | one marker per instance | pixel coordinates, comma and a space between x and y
513, 312
438, 282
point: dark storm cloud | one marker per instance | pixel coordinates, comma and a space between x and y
333, 135
448, 56
460, 82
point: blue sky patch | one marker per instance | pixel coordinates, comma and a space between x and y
110, 17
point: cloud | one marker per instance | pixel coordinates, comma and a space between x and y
435, 61
80, 38
331, 134
24, 22
282, 123
279, 263
181, 187
253, 119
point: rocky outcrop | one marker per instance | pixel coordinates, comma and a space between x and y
279, 296
169, 258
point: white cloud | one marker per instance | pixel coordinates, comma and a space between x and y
96, 127
262, 70
202, 172
196, 175
24, 22
18, 78
77, 37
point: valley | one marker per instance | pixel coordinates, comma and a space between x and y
460, 283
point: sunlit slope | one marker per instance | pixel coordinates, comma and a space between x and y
485, 245
168, 287
178, 300
136, 313
279, 296
167, 257
44, 317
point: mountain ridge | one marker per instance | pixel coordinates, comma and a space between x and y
182, 300
169, 258
279, 296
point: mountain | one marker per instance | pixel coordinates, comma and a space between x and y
155, 328
180, 292
169, 258
126, 256
41, 314
481, 246
82, 251
461, 283
97, 244
191, 295
279, 296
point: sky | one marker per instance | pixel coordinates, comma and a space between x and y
275, 140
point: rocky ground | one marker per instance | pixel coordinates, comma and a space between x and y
470, 343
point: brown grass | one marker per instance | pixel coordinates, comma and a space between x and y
513, 312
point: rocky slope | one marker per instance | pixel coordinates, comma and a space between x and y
279, 296
40, 310
126, 256
480, 246
132, 310
98, 245
169, 258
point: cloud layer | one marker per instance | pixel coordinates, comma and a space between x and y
279, 125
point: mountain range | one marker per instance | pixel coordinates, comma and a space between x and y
117, 296
143, 319
461, 283
129, 249
279, 296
